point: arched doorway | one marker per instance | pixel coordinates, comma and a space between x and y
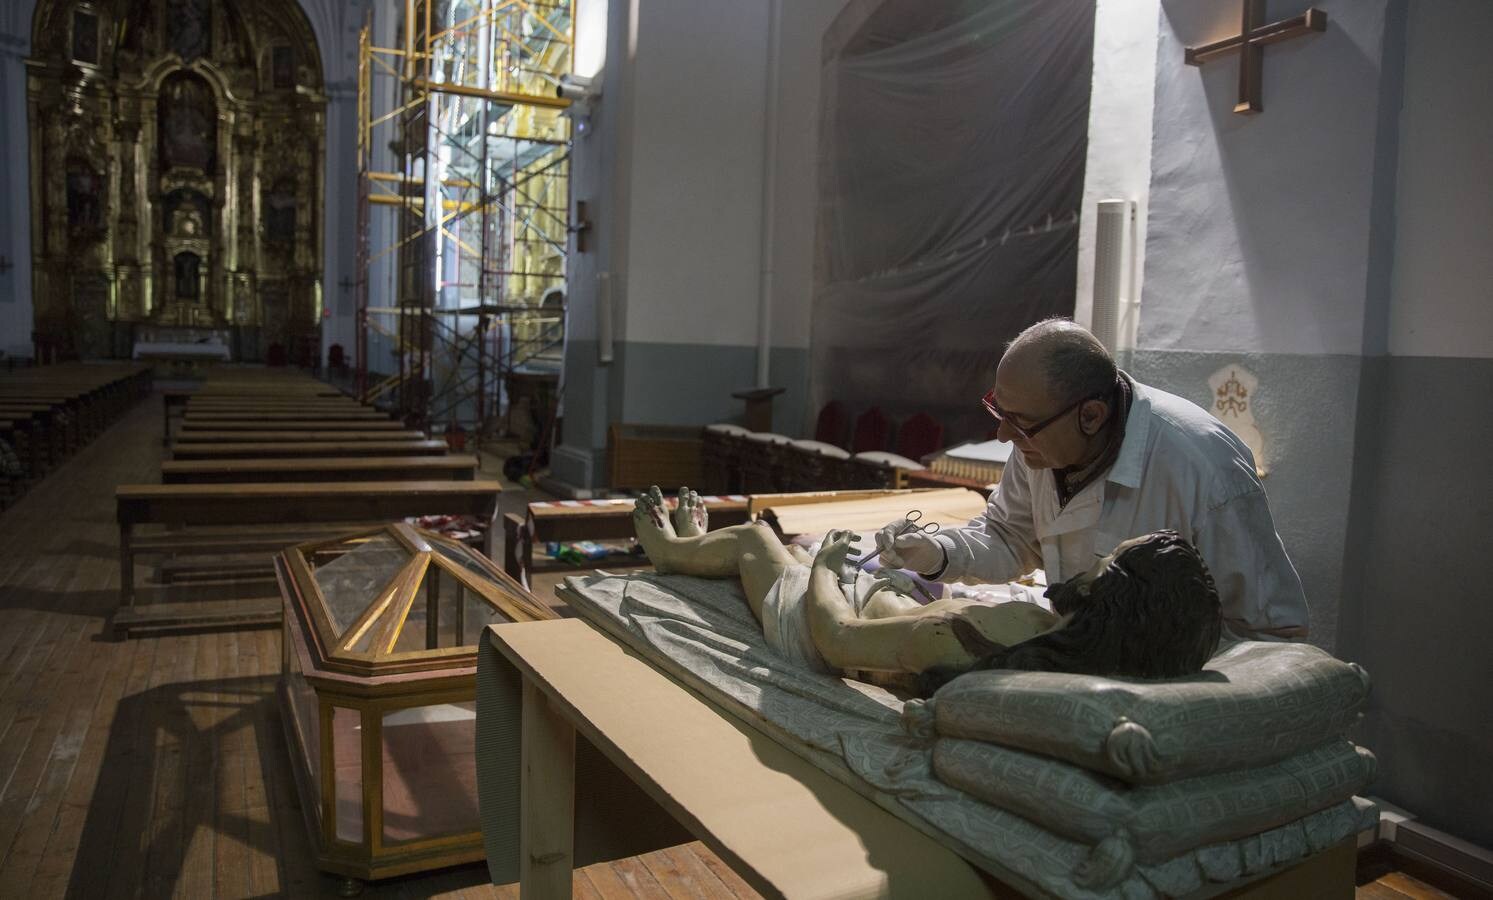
176, 176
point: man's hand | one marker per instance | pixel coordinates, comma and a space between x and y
903, 546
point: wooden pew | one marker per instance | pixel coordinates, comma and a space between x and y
50, 411
288, 449
300, 504
286, 423
347, 414
221, 436
322, 469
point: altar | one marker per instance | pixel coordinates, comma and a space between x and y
183, 348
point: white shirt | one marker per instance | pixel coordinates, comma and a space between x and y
1178, 468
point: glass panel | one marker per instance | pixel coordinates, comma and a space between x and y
305, 712
433, 601
430, 771
351, 581
459, 613
347, 752
464, 557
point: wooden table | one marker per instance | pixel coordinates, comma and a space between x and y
787, 828
288, 449
291, 503
596, 520
374, 468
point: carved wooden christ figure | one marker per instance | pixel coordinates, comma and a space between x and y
1147, 610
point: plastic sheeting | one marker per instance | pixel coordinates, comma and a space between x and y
950, 179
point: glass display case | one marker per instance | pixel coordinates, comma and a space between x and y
378, 694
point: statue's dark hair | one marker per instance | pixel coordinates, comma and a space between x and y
1152, 613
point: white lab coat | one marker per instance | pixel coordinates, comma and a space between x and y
1178, 468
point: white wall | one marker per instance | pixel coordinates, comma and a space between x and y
1442, 288
1258, 238
1118, 165
797, 184
696, 170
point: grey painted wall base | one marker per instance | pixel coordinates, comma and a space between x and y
1305, 407
1382, 492
1417, 612
665, 384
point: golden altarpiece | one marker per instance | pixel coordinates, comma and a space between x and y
176, 159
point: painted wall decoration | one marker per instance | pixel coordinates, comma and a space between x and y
1233, 390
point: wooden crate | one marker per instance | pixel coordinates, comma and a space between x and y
639, 456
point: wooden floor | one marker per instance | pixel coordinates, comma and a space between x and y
157, 767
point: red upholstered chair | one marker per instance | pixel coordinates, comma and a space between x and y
919, 436
275, 355
873, 431
833, 425
336, 357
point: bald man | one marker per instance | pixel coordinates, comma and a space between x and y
1102, 458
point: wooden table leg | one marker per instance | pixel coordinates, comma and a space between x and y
547, 800
526, 538
512, 524
126, 567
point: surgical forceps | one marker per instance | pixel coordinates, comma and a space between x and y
911, 522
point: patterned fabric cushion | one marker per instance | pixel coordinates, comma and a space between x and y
1254, 704
1149, 824
821, 448
883, 458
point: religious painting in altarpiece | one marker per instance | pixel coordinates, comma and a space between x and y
176, 174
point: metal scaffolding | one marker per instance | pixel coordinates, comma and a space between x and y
463, 204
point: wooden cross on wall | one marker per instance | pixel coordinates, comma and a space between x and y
1250, 44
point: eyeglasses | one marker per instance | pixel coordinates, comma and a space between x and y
1027, 433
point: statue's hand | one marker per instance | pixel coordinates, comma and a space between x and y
833, 551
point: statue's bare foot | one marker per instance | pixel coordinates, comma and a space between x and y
650, 520
690, 518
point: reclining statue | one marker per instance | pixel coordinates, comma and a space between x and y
1147, 610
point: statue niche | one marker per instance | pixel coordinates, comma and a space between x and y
189, 133
187, 271
190, 27
85, 200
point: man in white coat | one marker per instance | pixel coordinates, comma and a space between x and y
1102, 458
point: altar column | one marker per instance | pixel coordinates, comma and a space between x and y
16, 308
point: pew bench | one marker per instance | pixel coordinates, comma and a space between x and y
291, 449
286, 423
376, 468
278, 435
290, 506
